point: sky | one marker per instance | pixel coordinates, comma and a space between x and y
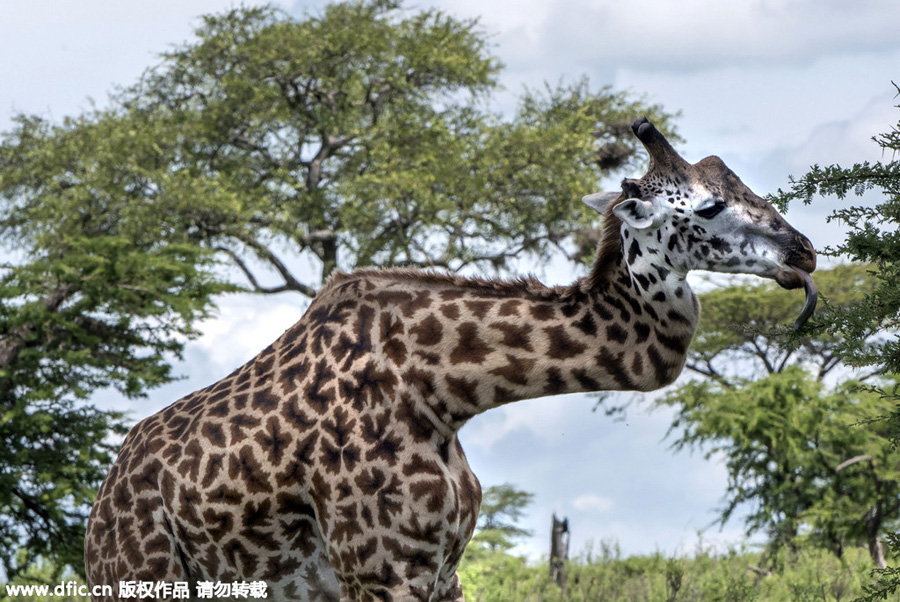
771, 86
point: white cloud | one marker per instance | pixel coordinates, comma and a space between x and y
245, 325
848, 140
843, 141
694, 34
591, 502
749, 111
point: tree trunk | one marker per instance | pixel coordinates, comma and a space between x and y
329, 257
559, 551
876, 547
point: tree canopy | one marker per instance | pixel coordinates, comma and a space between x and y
743, 328
362, 136
872, 238
801, 452
499, 525
90, 299
502, 508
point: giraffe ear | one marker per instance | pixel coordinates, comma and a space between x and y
599, 201
636, 213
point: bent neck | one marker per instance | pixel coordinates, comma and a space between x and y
629, 330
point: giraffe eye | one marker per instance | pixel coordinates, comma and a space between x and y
711, 211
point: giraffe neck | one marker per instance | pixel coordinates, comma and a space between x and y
478, 349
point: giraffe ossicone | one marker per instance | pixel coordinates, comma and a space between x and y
329, 466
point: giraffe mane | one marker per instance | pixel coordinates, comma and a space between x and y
528, 286
609, 250
609, 254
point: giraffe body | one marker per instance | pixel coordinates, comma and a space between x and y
329, 465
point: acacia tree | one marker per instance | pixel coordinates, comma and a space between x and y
873, 238
358, 137
502, 507
792, 452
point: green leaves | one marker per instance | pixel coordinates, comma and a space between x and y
786, 441
486, 560
749, 324
702, 574
102, 290
502, 506
845, 449
873, 238
785, 436
868, 329
357, 137
360, 136
88, 313
43, 498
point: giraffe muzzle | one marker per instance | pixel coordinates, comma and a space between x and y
801, 260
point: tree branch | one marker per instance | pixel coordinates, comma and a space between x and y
827, 366
330, 143
240, 140
759, 571
290, 283
784, 361
852, 461
709, 372
761, 354
14, 341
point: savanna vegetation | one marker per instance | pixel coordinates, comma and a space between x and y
603, 574
363, 136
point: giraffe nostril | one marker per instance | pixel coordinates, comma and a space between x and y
804, 253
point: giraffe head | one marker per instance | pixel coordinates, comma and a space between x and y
685, 216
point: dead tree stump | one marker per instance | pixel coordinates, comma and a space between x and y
559, 550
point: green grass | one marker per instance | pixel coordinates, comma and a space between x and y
813, 575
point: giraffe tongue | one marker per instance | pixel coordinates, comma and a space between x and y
812, 296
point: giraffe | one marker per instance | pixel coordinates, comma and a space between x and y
329, 465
